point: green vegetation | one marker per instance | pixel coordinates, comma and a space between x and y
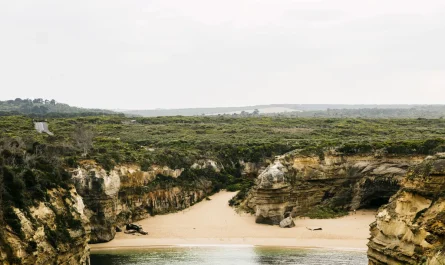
243, 189
321, 212
373, 112
33, 163
178, 142
45, 108
28, 171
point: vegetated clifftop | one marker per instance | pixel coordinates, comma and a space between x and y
52, 232
34, 165
42, 217
327, 184
127, 194
410, 229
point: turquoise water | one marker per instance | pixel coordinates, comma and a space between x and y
226, 255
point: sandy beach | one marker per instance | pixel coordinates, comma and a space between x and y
214, 222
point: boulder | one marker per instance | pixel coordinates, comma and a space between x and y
133, 227
287, 223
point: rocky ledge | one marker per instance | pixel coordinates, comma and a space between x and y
410, 229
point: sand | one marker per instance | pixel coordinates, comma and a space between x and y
214, 222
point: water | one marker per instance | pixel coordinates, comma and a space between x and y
227, 255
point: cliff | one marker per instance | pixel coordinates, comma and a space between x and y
52, 232
128, 194
296, 184
410, 229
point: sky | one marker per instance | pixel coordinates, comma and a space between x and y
146, 54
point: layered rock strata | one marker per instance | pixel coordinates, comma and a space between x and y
54, 232
121, 195
410, 229
294, 184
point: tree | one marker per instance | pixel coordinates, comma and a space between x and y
83, 137
52, 102
256, 112
39, 110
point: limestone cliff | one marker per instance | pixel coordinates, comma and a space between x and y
294, 183
127, 194
410, 229
52, 232
99, 191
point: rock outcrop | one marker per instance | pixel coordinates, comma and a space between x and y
54, 232
99, 190
270, 198
123, 195
410, 229
294, 184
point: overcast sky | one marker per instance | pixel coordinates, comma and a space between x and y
147, 54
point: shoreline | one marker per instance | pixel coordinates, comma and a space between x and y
215, 224
152, 246
227, 243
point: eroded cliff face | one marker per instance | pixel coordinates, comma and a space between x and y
54, 232
410, 229
270, 199
294, 184
99, 191
123, 195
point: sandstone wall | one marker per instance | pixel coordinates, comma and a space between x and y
122, 195
54, 232
410, 229
294, 184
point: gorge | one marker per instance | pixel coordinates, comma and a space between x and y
56, 201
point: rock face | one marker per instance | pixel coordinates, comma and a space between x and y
270, 198
287, 223
294, 184
100, 193
121, 195
410, 229
54, 232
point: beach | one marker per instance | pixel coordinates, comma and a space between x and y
213, 222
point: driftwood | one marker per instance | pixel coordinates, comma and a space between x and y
315, 228
131, 231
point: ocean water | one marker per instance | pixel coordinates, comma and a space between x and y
218, 255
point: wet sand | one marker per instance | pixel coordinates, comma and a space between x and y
214, 222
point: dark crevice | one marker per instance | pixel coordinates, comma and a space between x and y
377, 192
375, 203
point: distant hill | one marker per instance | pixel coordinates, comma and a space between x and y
427, 112
50, 108
212, 111
44, 107
307, 110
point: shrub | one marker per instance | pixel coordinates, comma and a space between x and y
324, 212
